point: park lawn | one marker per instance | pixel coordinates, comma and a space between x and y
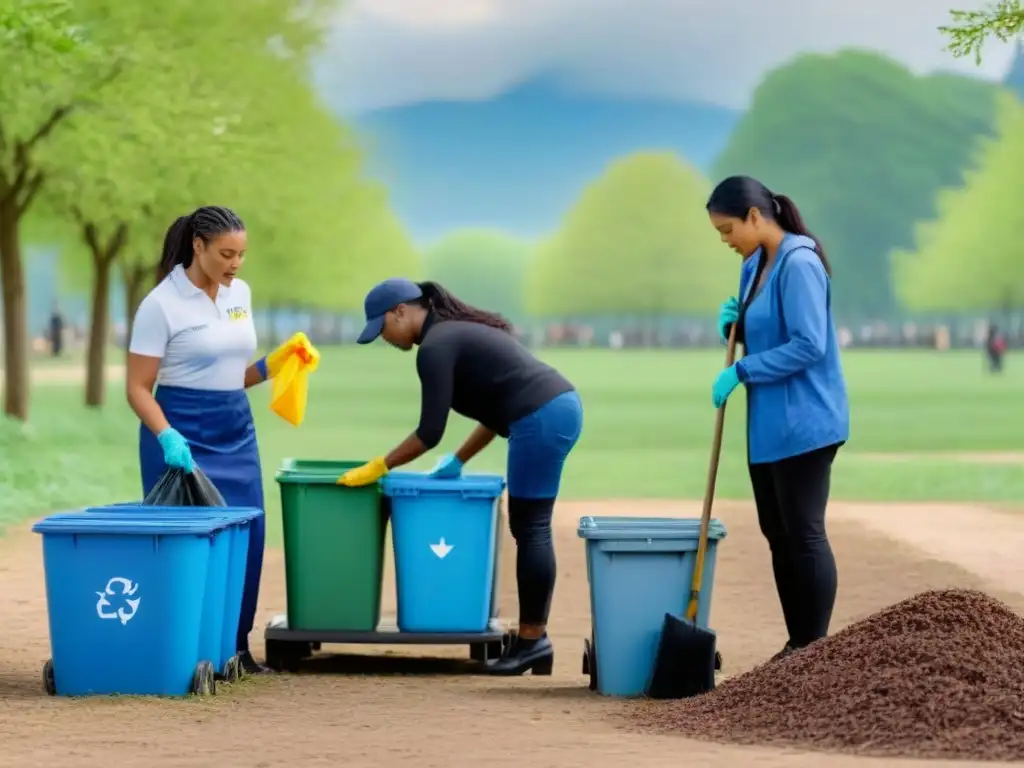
647, 427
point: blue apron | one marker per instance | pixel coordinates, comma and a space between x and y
220, 431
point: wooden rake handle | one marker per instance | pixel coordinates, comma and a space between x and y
709, 491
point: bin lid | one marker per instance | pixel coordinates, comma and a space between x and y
84, 523
313, 471
476, 484
647, 528
238, 514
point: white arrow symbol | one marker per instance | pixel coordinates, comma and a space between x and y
441, 549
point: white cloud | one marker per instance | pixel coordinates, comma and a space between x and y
391, 52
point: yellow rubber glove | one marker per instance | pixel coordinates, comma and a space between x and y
299, 343
369, 473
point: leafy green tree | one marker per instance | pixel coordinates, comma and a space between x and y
52, 69
969, 257
862, 145
483, 267
147, 148
1003, 20
1014, 79
638, 242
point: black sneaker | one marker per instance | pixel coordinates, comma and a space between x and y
537, 656
250, 666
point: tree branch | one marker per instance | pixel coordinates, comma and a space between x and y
26, 181
29, 191
92, 239
45, 128
117, 242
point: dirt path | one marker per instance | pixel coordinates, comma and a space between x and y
425, 716
65, 374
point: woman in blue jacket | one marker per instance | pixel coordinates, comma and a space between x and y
797, 410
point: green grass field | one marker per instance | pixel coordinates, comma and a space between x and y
648, 423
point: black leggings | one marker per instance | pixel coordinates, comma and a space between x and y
530, 523
791, 496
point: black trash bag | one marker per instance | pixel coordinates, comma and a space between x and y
178, 488
685, 663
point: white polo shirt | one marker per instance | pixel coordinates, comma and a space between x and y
202, 344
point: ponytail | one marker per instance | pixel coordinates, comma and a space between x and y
789, 218
736, 195
447, 307
177, 247
206, 223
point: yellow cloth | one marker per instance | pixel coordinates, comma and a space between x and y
369, 473
293, 362
276, 360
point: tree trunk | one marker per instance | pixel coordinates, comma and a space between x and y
15, 341
99, 331
134, 292
103, 256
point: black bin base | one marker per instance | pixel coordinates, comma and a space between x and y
287, 648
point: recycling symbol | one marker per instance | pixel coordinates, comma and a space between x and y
126, 590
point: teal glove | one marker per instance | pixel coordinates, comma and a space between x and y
177, 454
447, 468
728, 314
725, 383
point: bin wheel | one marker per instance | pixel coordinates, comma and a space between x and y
49, 684
232, 670
718, 661
590, 663
284, 656
203, 681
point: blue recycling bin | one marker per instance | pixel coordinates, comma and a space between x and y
125, 600
444, 536
225, 579
639, 569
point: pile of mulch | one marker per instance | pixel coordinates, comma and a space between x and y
940, 675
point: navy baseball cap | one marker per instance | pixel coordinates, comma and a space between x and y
381, 299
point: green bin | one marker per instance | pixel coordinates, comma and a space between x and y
333, 547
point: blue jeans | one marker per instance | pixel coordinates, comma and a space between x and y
538, 445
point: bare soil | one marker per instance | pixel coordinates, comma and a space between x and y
394, 709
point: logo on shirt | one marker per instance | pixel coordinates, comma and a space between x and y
237, 313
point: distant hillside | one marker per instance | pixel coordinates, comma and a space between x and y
519, 160
1015, 76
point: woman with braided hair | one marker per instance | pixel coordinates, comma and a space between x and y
193, 338
469, 362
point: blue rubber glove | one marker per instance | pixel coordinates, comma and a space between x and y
728, 313
177, 454
447, 468
725, 383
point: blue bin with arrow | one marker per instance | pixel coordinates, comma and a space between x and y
444, 536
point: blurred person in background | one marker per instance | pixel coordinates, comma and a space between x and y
995, 348
470, 362
797, 409
56, 331
193, 338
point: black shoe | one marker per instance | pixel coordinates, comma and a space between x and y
537, 656
786, 650
250, 666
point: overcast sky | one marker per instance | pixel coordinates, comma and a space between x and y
393, 52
